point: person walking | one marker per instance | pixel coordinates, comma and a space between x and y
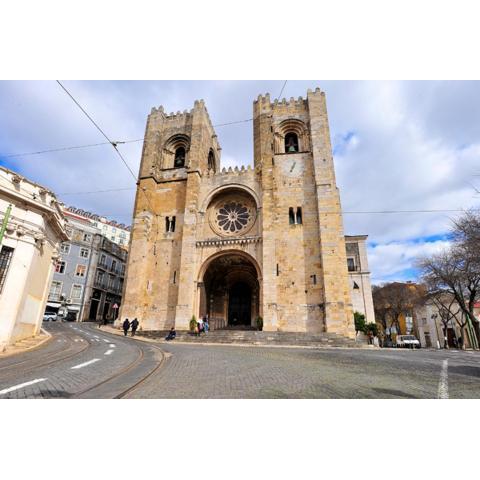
126, 326
134, 326
206, 325
200, 325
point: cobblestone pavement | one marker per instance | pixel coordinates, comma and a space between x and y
80, 361
199, 371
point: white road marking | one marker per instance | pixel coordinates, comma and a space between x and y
112, 345
443, 383
105, 340
108, 352
26, 384
86, 363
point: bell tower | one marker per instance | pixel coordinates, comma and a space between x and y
178, 150
305, 278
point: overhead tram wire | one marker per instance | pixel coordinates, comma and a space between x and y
114, 145
281, 91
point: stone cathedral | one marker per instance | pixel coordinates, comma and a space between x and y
264, 241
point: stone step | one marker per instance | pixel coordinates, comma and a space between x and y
259, 338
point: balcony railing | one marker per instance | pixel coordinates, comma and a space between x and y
54, 297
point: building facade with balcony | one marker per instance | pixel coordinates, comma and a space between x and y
105, 280
118, 233
32, 227
359, 276
67, 290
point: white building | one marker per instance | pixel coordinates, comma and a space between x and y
359, 276
118, 233
32, 229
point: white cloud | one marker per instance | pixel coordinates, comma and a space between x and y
399, 146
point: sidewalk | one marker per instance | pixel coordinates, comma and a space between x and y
27, 344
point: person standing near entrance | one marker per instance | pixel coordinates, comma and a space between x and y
134, 325
206, 325
126, 326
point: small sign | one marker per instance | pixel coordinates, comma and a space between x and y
115, 306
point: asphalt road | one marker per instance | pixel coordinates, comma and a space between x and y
83, 361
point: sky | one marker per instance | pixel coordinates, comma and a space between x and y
405, 145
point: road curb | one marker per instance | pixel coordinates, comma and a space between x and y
47, 338
211, 344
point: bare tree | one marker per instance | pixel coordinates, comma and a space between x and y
447, 308
450, 273
393, 299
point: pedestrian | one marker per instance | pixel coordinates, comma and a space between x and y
200, 325
134, 326
171, 334
206, 325
126, 326
370, 337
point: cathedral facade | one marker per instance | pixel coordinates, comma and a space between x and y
264, 241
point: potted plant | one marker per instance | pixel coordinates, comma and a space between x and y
193, 324
259, 322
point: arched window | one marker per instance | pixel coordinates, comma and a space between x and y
179, 157
291, 143
291, 216
211, 160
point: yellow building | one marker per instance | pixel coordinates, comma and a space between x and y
264, 241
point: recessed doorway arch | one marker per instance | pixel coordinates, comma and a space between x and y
229, 290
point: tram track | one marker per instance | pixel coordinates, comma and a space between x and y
16, 366
126, 370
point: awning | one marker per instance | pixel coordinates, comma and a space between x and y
74, 308
54, 305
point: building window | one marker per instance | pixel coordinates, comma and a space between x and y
55, 289
114, 265
80, 270
5, 259
112, 238
60, 267
179, 157
69, 232
291, 143
175, 276
291, 216
170, 224
351, 264
120, 241
87, 237
103, 260
65, 248
84, 252
278, 270
355, 286
76, 292
314, 279
299, 216
295, 218
211, 160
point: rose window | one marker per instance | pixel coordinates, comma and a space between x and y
233, 217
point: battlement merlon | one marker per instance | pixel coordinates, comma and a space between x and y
263, 104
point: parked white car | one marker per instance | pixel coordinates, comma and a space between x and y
50, 316
407, 341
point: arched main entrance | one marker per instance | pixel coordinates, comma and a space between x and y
229, 290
